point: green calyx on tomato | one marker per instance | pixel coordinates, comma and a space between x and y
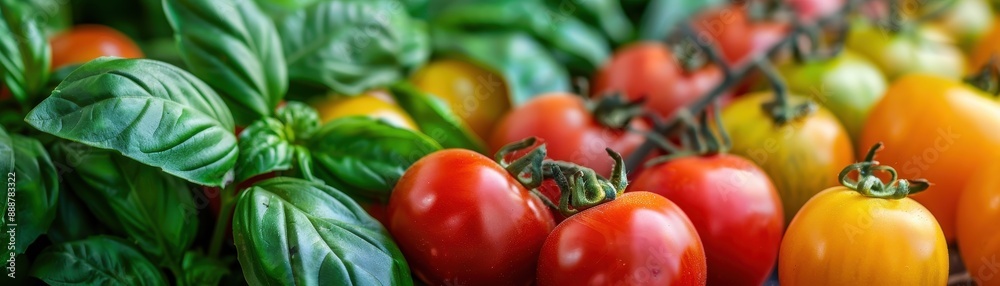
583, 188
871, 186
988, 78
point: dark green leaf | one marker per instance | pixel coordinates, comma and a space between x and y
527, 67
202, 270
350, 46
271, 144
662, 16
54, 14
24, 51
234, 47
562, 32
368, 155
29, 173
99, 260
73, 220
435, 119
151, 208
149, 111
292, 231
604, 14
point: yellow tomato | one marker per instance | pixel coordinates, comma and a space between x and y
801, 157
841, 237
864, 233
376, 104
978, 234
479, 96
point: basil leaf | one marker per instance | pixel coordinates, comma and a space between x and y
99, 260
153, 209
526, 66
292, 231
607, 15
73, 220
584, 45
269, 145
202, 270
368, 155
29, 173
149, 111
24, 52
350, 46
436, 119
234, 47
662, 16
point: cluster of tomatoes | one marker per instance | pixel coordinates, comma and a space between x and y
781, 186
786, 191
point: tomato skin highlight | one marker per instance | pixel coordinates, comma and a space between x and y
937, 129
801, 156
83, 43
639, 238
570, 131
649, 71
977, 233
841, 237
459, 217
734, 207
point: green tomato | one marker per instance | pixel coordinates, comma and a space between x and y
923, 49
848, 85
967, 21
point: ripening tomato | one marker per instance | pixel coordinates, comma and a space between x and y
977, 233
848, 85
649, 71
801, 157
939, 129
83, 43
965, 21
570, 130
849, 235
640, 238
477, 95
376, 104
923, 50
459, 217
734, 207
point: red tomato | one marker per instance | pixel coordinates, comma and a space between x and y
639, 238
734, 207
87, 42
569, 129
737, 36
811, 10
649, 70
459, 217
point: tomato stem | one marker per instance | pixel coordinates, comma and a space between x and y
222, 222
528, 168
583, 188
871, 186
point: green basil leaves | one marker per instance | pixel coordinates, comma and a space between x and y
292, 231
149, 111
28, 172
234, 47
348, 46
99, 260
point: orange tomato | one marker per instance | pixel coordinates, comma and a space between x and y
938, 129
977, 232
987, 48
83, 43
